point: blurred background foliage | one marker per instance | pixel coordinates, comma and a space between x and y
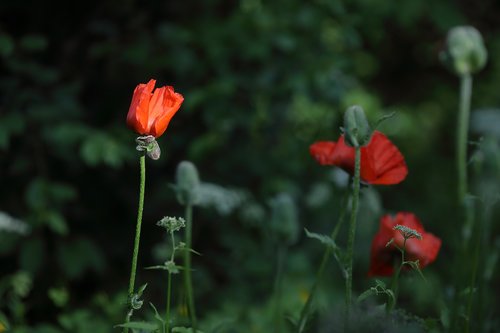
261, 81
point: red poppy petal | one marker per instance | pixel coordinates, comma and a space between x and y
381, 256
381, 162
322, 151
343, 156
424, 250
138, 114
171, 104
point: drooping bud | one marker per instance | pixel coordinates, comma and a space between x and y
187, 183
356, 128
284, 219
148, 144
465, 51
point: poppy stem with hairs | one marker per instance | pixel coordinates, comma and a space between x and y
188, 283
395, 279
462, 134
169, 284
142, 186
326, 256
352, 230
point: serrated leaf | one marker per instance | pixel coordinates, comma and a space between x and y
324, 239
366, 294
380, 284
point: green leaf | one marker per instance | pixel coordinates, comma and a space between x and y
140, 325
380, 283
184, 330
157, 315
366, 294
324, 239
141, 289
56, 223
32, 255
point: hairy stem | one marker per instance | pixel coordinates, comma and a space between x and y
462, 134
169, 285
395, 280
352, 230
142, 186
188, 283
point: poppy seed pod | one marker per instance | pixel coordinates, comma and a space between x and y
187, 183
284, 219
465, 51
356, 128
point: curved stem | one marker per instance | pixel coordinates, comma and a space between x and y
352, 230
188, 283
326, 255
462, 131
142, 186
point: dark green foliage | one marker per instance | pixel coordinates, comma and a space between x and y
262, 80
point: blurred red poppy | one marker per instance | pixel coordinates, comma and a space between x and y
150, 112
382, 258
381, 161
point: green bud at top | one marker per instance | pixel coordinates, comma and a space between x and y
187, 183
284, 219
356, 128
465, 51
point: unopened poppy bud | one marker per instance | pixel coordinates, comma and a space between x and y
149, 145
187, 183
465, 51
356, 128
284, 219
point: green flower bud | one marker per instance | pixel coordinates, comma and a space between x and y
187, 183
465, 51
284, 219
356, 128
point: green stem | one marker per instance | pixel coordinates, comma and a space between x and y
319, 274
461, 161
352, 230
475, 264
462, 132
278, 320
142, 186
395, 280
169, 285
169, 293
188, 284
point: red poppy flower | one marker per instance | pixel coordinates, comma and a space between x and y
382, 259
381, 162
150, 112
